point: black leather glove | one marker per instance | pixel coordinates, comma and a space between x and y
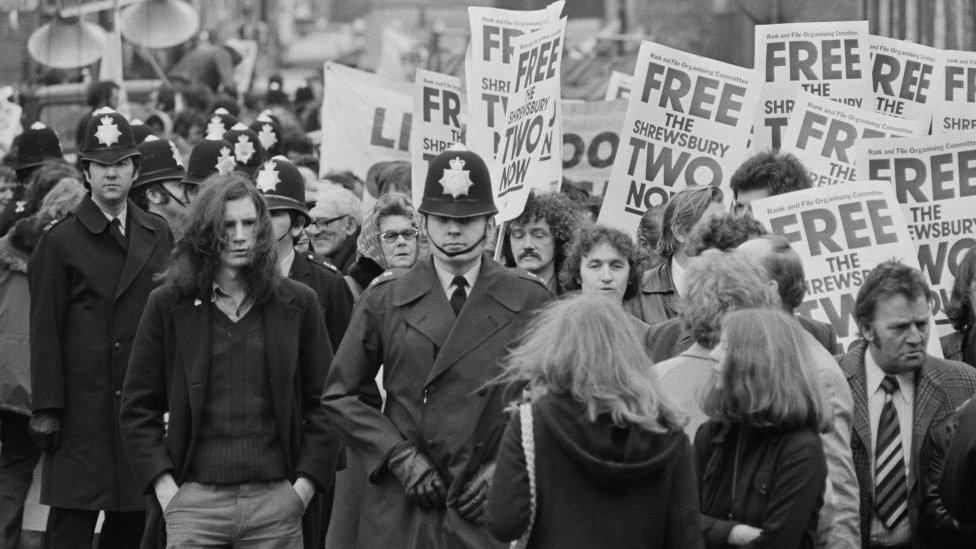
420, 479
472, 504
45, 428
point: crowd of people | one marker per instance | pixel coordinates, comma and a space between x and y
213, 346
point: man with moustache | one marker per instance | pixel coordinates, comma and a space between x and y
537, 240
89, 278
440, 330
900, 392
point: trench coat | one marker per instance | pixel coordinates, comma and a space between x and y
87, 295
435, 371
170, 371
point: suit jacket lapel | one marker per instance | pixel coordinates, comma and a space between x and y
484, 313
853, 366
141, 243
928, 400
282, 324
192, 325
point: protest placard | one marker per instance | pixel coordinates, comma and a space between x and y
822, 134
438, 122
841, 233
934, 178
365, 119
488, 68
903, 75
9, 118
827, 59
529, 154
956, 89
591, 137
687, 123
619, 86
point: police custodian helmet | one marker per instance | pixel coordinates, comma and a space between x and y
283, 186
458, 185
108, 138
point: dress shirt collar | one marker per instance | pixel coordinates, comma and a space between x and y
874, 375
447, 279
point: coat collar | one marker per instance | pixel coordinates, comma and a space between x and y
142, 242
658, 280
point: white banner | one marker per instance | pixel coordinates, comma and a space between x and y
823, 133
591, 137
438, 122
529, 153
827, 59
934, 178
488, 68
841, 233
365, 119
904, 75
687, 123
956, 89
619, 86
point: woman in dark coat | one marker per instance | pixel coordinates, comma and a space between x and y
761, 465
613, 467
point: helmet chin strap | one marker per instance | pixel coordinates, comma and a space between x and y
484, 236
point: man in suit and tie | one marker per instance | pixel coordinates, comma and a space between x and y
440, 331
899, 392
89, 278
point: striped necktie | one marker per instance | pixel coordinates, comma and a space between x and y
890, 482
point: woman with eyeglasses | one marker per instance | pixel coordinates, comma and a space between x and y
388, 241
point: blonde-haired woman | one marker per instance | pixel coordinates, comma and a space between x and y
612, 465
761, 465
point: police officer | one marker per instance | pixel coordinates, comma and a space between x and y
247, 149
440, 330
209, 156
160, 189
284, 192
38, 145
90, 276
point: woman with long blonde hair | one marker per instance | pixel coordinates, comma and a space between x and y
761, 465
612, 465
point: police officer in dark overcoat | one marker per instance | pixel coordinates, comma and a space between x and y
440, 331
90, 276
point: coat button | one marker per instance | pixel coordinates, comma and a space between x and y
118, 394
116, 346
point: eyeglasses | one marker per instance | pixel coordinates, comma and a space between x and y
323, 222
391, 236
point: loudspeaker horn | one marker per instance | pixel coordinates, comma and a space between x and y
67, 43
160, 23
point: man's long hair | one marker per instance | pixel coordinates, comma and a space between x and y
195, 259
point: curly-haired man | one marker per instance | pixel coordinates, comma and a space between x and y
763, 175
538, 239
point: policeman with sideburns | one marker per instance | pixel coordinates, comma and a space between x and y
90, 276
440, 331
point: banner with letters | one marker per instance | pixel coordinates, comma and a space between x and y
488, 68
827, 59
529, 154
934, 178
439, 113
619, 86
687, 123
956, 89
841, 233
591, 137
904, 78
365, 119
823, 135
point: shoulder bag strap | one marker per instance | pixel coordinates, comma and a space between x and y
528, 447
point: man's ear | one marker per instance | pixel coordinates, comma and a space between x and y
351, 225
154, 196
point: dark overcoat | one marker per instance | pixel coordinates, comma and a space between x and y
435, 371
87, 294
170, 371
940, 387
332, 291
